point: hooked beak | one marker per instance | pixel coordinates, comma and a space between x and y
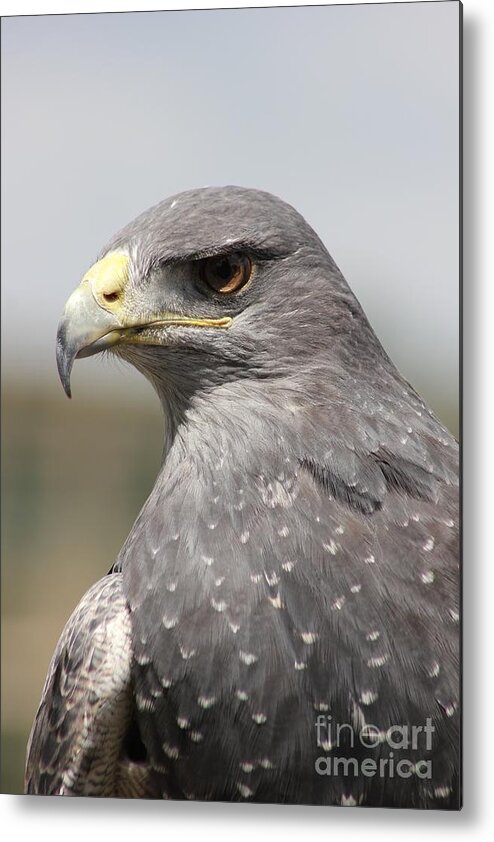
95, 318
84, 329
92, 319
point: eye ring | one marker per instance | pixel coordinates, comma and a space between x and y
226, 273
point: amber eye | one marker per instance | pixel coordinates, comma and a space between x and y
226, 273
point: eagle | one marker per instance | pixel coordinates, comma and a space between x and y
282, 622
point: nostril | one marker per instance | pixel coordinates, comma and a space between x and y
110, 297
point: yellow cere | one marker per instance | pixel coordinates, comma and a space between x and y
108, 277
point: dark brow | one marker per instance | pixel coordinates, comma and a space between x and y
256, 250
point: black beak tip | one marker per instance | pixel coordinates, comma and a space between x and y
65, 359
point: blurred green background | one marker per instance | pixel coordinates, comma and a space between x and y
350, 113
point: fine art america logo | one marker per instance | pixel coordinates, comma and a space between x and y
332, 736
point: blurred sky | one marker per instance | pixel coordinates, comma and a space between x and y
350, 113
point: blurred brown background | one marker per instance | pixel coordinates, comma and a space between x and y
350, 113
74, 477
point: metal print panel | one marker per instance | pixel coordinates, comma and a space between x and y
281, 624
